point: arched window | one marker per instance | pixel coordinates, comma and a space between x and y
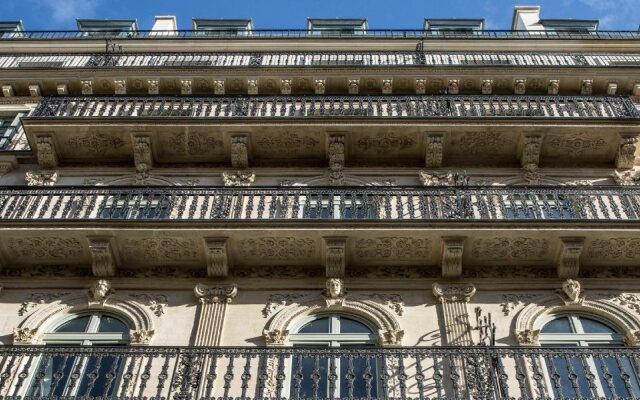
595, 374
84, 374
336, 376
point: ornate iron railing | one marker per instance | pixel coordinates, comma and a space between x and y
303, 33
317, 59
446, 106
317, 373
304, 203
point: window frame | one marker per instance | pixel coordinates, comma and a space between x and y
90, 337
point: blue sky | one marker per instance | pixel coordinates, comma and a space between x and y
61, 14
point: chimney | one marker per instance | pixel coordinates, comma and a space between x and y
165, 25
526, 18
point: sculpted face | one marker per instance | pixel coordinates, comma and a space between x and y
334, 288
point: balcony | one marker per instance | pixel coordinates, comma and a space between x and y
312, 59
317, 373
474, 204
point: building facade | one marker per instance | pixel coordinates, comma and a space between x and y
331, 213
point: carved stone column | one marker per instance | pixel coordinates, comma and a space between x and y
213, 307
453, 299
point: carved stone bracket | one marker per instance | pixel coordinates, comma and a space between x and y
336, 156
142, 153
353, 86
218, 87
46, 152
586, 87
153, 86
239, 151
626, 155
612, 88
120, 86
186, 87
435, 149
62, 89
520, 86
421, 86
8, 164
452, 249
104, 259
285, 87
217, 257
252, 86
487, 86
335, 256
530, 149
34, 90
319, 86
387, 86
553, 87
453, 87
86, 87
100, 291
8, 91
568, 262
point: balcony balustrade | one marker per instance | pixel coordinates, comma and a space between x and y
307, 203
317, 59
596, 107
303, 33
317, 373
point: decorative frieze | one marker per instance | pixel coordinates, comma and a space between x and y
285, 142
531, 146
626, 155
434, 150
186, 87
615, 249
393, 248
142, 152
238, 178
336, 156
335, 256
86, 85
386, 142
452, 249
46, 152
239, 151
553, 87
94, 142
568, 262
103, 256
575, 145
120, 86
45, 248
194, 143
217, 257
510, 248
161, 249
278, 248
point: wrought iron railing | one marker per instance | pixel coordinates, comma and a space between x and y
303, 33
445, 106
317, 373
304, 203
358, 59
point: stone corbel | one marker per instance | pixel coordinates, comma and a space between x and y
87, 87
553, 87
520, 86
103, 255
586, 87
335, 256
612, 88
452, 250
100, 291
223, 294
336, 156
453, 87
319, 86
217, 257
353, 86
46, 152
120, 86
252, 86
626, 155
530, 147
239, 151
8, 164
635, 91
142, 152
34, 90
435, 150
218, 87
487, 86
8, 91
387, 86
285, 87
153, 86
62, 88
421, 86
186, 87
568, 262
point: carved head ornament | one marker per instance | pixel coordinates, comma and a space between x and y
99, 291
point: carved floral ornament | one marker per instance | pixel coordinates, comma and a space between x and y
45, 310
616, 308
332, 298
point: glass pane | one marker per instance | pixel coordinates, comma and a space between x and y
358, 377
75, 325
617, 377
352, 326
53, 376
100, 376
593, 326
569, 377
309, 377
320, 325
111, 324
558, 325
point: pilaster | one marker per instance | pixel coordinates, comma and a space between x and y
453, 299
213, 308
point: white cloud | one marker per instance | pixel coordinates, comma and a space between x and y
63, 11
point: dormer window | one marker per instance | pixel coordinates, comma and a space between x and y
569, 25
223, 27
454, 25
337, 27
9, 29
108, 28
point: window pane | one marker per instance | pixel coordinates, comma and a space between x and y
75, 325
310, 376
352, 326
558, 325
110, 324
593, 326
569, 377
320, 325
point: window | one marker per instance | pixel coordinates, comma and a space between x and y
453, 25
84, 374
108, 28
337, 27
322, 377
570, 375
9, 125
222, 27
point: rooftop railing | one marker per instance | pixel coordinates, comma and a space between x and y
317, 203
310, 34
345, 373
311, 59
442, 106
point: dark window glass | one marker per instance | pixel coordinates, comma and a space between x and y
592, 326
320, 325
111, 324
352, 326
558, 325
75, 325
